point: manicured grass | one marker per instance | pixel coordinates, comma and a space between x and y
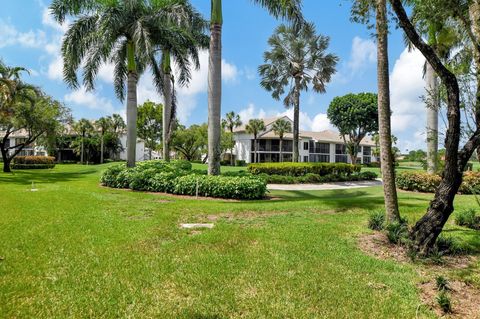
76, 249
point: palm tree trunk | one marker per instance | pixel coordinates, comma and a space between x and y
281, 151
432, 119
167, 108
474, 12
132, 78
101, 150
215, 88
384, 113
82, 150
255, 150
296, 119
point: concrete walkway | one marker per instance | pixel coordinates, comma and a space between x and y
324, 186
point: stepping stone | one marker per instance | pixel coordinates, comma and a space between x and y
193, 226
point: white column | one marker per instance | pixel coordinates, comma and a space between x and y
332, 152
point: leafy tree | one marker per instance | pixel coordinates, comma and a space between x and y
149, 124
128, 34
255, 127
84, 128
103, 125
362, 12
230, 122
466, 16
281, 127
278, 8
190, 142
296, 61
35, 116
355, 116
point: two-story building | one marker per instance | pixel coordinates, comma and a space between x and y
324, 146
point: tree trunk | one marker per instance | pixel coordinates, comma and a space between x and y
167, 108
281, 151
6, 161
150, 154
425, 232
131, 118
384, 113
101, 149
82, 150
432, 119
296, 119
215, 88
255, 150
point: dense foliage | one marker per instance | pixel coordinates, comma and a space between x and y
178, 178
311, 178
427, 183
33, 162
301, 169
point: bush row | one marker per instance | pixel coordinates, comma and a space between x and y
428, 183
32, 166
178, 178
316, 178
302, 169
34, 160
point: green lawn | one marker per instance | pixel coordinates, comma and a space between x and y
75, 249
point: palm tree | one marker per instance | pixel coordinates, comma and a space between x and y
255, 126
384, 113
195, 39
83, 127
103, 124
280, 127
125, 33
297, 60
278, 8
230, 122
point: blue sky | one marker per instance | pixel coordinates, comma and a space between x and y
29, 37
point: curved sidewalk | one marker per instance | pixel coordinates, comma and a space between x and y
324, 186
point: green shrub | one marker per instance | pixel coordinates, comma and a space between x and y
221, 186
443, 300
163, 182
301, 169
470, 183
446, 245
468, 218
367, 176
397, 232
417, 181
278, 179
240, 163
109, 176
124, 178
33, 162
376, 220
311, 178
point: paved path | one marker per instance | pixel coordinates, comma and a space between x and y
324, 186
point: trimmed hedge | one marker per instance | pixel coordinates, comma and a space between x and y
33, 162
302, 169
315, 178
428, 183
179, 178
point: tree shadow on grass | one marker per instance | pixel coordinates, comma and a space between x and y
49, 176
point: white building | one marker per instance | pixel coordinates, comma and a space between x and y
324, 146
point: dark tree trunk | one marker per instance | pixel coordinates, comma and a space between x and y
425, 233
6, 161
296, 120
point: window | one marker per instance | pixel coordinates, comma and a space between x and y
341, 159
340, 149
287, 146
305, 146
367, 160
305, 158
319, 158
367, 150
319, 148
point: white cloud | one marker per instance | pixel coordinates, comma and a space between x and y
363, 52
250, 112
10, 36
47, 20
89, 99
408, 110
55, 68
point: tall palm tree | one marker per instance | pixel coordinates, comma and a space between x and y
297, 60
83, 127
103, 124
384, 113
195, 39
290, 9
255, 127
125, 33
281, 127
230, 122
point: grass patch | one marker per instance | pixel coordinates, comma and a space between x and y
75, 249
